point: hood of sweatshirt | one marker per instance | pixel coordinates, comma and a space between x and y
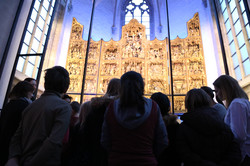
205, 121
131, 118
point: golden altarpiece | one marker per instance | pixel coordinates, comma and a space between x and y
111, 59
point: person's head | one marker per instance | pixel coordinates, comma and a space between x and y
163, 101
57, 79
22, 89
196, 98
32, 81
84, 112
113, 87
132, 90
209, 91
227, 88
75, 107
67, 98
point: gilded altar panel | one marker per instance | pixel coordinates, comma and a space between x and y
111, 59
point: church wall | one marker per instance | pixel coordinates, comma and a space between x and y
15, 40
8, 10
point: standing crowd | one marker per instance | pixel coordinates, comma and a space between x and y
124, 128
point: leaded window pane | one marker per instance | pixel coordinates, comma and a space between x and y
240, 39
34, 15
246, 66
235, 60
238, 73
223, 5
232, 5
20, 64
29, 70
243, 52
24, 49
232, 48
237, 27
235, 16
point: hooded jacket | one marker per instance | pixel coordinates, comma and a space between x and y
205, 140
118, 122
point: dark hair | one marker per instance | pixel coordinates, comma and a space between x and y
163, 101
208, 90
29, 79
57, 79
21, 89
132, 91
114, 87
196, 98
230, 88
85, 109
66, 96
75, 106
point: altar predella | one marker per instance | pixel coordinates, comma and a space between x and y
110, 59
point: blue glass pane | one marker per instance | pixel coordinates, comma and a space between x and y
35, 45
145, 17
237, 27
40, 23
232, 48
20, 64
230, 37
228, 26
240, 39
37, 5
248, 30
38, 60
46, 4
51, 11
242, 7
32, 59
27, 38
144, 6
38, 34
44, 39
225, 15
31, 26
53, 3
48, 21
41, 50
137, 2
29, 70
130, 7
34, 15
235, 16
238, 73
232, 5
223, 6
36, 71
246, 66
46, 29
24, 49
137, 12
32, 51
147, 31
245, 18
235, 60
243, 52
43, 13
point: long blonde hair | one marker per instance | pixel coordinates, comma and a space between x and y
230, 88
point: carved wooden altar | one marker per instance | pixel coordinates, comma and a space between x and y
111, 59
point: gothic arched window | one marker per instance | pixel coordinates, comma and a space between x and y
140, 10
